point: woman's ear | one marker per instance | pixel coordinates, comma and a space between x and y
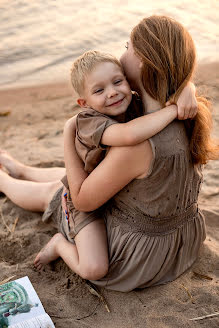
82, 102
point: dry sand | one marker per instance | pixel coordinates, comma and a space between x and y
32, 132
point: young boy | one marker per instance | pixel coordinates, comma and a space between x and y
106, 99
107, 119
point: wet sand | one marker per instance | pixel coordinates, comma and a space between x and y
32, 132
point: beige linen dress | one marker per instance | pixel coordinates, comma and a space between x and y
154, 226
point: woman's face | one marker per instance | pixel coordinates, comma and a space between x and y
132, 66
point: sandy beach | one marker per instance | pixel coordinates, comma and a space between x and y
31, 128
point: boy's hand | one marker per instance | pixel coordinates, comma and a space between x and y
187, 103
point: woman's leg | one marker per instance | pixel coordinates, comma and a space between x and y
20, 171
32, 196
88, 257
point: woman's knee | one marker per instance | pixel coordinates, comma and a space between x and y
94, 270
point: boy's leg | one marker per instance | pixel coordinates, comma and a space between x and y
25, 172
33, 196
92, 247
88, 258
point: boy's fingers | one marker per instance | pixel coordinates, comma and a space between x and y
192, 112
195, 110
181, 113
188, 111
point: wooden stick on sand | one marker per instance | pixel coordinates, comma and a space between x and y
206, 316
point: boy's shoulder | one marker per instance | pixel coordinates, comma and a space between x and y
89, 113
90, 118
91, 124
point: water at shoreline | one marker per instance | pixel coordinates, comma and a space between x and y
39, 40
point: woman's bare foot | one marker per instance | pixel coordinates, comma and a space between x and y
13, 167
49, 252
3, 179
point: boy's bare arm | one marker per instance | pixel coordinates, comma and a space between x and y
139, 129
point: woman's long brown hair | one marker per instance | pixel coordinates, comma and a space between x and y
168, 57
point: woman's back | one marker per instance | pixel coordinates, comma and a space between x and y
154, 226
172, 184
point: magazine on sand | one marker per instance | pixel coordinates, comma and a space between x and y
20, 306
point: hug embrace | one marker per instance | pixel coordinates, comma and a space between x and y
126, 203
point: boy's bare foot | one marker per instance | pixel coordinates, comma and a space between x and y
13, 167
49, 252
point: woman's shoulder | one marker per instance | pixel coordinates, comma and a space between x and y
171, 140
136, 160
169, 146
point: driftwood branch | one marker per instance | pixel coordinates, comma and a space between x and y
206, 316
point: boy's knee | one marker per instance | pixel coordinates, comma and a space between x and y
94, 271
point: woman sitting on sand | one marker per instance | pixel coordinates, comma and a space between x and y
154, 226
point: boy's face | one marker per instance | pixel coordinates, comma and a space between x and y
106, 90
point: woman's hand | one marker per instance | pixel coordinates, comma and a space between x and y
187, 103
64, 201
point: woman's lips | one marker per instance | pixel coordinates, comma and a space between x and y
116, 103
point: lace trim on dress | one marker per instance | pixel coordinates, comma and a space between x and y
144, 224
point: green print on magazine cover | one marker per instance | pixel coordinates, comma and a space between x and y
13, 300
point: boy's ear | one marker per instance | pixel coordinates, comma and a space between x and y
82, 102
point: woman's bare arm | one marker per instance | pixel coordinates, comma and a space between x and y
120, 166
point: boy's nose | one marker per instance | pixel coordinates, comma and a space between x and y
111, 92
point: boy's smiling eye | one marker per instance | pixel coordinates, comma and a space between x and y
127, 45
118, 81
98, 90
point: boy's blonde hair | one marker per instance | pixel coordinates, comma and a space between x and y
84, 64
